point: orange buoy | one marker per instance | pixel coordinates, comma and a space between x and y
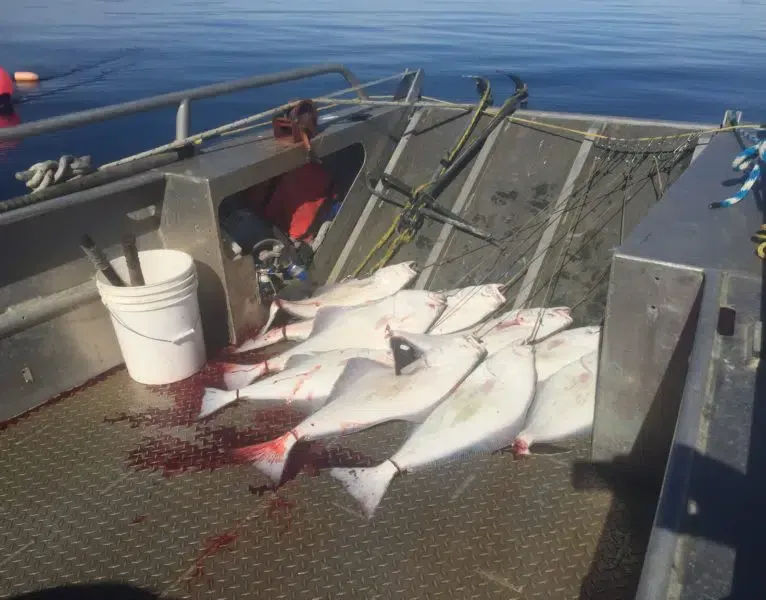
26, 76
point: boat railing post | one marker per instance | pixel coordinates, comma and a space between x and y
182, 120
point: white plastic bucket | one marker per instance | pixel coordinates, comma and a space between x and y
158, 325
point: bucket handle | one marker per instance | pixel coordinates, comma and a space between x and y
181, 337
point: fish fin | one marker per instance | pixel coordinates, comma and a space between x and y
214, 400
256, 343
367, 485
269, 457
273, 312
238, 376
404, 352
247, 345
298, 359
551, 449
521, 445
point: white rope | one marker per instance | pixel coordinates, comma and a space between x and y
50, 172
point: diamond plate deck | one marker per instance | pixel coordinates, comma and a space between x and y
114, 482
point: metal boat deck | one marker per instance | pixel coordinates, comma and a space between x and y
115, 482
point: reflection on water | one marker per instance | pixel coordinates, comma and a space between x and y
672, 59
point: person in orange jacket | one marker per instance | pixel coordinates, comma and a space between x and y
8, 115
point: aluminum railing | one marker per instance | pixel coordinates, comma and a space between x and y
182, 99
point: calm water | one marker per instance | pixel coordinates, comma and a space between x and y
671, 59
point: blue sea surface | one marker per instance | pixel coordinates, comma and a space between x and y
669, 59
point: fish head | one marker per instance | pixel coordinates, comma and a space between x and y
550, 320
580, 336
553, 320
397, 276
495, 291
492, 291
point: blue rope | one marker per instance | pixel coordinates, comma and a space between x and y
749, 159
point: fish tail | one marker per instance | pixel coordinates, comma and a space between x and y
262, 341
238, 376
214, 400
269, 457
521, 445
367, 485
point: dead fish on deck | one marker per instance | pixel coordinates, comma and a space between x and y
339, 328
563, 406
484, 414
369, 393
518, 326
353, 292
467, 306
297, 331
306, 382
557, 351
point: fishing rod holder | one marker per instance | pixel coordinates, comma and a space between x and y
430, 211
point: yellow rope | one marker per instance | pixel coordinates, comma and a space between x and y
378, 245
432, 102
760, 240
483, 103
416, 202
635, 139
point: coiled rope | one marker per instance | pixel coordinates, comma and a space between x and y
749, 159
50, 172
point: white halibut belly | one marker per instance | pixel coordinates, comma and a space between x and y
564, 405
483, 415
565, 347
368, 393
466, 307
355, 292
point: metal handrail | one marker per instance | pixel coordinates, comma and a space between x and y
181, 98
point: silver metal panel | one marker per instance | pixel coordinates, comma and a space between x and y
721, 530
684, 230
648, 333
643, 359
460, 202
373, 201
228, 288
617, 187
413, 94
435, 133
190, 223
660, 566
565, 195
517, 188
53, 325
40, 362
182, 214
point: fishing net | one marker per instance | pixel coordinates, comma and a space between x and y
593, 220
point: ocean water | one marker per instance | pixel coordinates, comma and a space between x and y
669, 59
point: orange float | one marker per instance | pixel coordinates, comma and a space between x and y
26, 76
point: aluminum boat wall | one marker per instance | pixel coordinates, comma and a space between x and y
55, 333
